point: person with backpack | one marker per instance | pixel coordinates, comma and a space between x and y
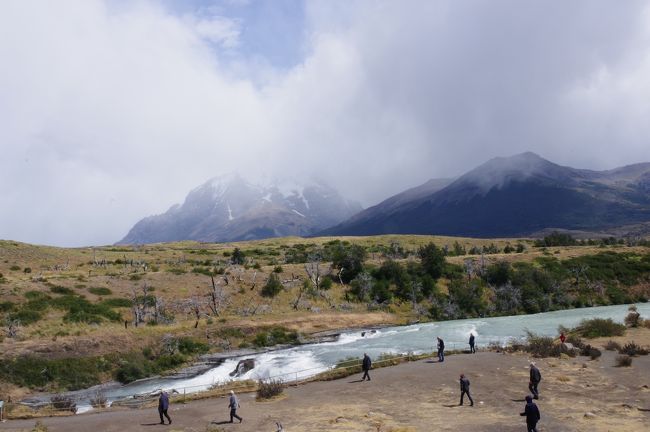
531, 411
535, 378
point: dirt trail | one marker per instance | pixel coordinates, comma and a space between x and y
418, 396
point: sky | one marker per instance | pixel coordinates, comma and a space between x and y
111, 111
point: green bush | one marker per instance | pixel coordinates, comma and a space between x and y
117, 303
60, 290
26, 316
6, 306
130, 372
189, 346
272, 287
100, 291
55, 374
599, 327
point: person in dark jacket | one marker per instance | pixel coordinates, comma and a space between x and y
233, 404
535, 378
532, 414
464, 390
366, 364
471, 343
163, 406
441, 350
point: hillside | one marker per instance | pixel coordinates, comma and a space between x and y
513, 197
91, 315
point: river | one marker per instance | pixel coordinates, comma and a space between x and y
308, 360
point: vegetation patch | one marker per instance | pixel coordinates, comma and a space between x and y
599, 327
100, 291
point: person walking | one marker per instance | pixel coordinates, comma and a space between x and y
471, 343
163, 406
233, 404
532, 414
535, 378
366, 364
441, 350
464, 390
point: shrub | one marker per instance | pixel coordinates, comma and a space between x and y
177, 271
14, 268
187, 345
100, 291
61, 290
278, 269
27, 270
599, 327
269, 388
591, 352
632, 349
6, 306
272, 287
117, 302
129, 372
623, 361
633, 319
98, 400
64, 403
612, 346
542, 346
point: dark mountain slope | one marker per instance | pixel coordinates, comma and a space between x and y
517, 196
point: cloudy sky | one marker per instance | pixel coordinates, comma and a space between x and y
114, 110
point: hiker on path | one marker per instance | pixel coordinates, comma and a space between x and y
366, 364
441, 350
464, 390
233, 404
471, 343
532, 414
163, 406
535, 378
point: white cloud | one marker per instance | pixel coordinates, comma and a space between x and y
111, 113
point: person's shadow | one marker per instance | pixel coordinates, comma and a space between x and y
150, 424
220, 422
355, 381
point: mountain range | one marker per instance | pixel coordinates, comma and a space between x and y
510, 197
521, 195
230, 208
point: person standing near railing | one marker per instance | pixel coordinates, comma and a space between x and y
441, 350
163, 406
366, 364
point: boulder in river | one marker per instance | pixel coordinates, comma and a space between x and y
242, 367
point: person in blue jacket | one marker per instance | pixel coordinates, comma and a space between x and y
532, 414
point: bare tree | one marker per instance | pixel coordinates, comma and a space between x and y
140, 304
217, 297
316, 270
12, 326
195, 305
